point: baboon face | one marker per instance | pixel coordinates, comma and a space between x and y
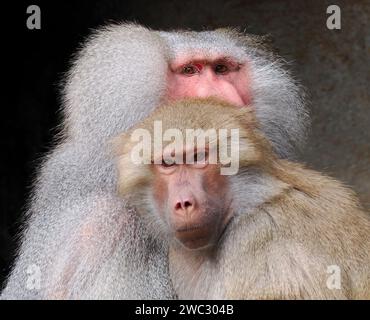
192, 200
184, 184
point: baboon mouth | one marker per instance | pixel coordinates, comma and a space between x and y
190, 228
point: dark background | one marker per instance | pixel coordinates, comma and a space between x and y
333, 65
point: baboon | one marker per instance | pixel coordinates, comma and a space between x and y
82, 241
273, 230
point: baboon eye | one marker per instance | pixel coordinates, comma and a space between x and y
189, 70
200, 157
221, 69
168, 164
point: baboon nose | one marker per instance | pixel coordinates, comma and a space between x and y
184, 206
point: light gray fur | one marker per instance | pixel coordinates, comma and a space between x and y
113, 83
279, 100
117, 78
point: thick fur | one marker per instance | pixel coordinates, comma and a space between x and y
290, 223
85, 240
278, 99
113, 83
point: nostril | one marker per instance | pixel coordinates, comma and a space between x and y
178, 206
187, 204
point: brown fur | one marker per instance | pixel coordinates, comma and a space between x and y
281, 247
